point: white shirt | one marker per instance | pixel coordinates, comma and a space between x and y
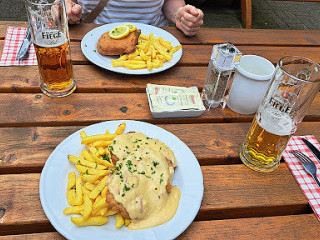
140, 11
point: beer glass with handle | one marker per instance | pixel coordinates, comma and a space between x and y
50, 35
294, 85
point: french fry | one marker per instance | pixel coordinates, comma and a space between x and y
71, 180
94, 164
91, 164
73, 210
103, 211
119, 220
75, 159
94, 138
148, 46
87, 207
91, 221
101, 151
127, 222
144, 37
111, 212
91, 178
99, 203
94, 151
104, 192
71, 197
134, 66
98, 188
120, 128
86, 154
89, 186
79, 198
91, 171
165, 44
83, 134
85, 191
101, 143
104, 162
158, 47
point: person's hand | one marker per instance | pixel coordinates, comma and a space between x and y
189, 19
74, 12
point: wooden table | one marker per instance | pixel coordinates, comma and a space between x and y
237, 204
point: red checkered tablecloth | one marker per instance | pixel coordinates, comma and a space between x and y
12, 43
305, 181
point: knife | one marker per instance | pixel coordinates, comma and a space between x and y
313, 149
22, 53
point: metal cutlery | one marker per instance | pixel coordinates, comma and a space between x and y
23, 52
313, 149
307, 163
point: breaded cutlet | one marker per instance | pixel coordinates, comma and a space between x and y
109, 46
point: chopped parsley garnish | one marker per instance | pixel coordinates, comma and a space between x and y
155, 163
87, 172
126, 188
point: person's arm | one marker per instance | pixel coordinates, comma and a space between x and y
74, 11
187, 18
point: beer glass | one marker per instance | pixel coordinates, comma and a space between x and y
294, 85
50, 35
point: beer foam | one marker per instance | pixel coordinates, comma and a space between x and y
275, 122
50, 38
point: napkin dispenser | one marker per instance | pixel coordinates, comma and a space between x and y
174, 102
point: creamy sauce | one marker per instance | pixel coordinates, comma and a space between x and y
139, 183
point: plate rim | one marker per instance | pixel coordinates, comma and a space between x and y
123, 70
54, 222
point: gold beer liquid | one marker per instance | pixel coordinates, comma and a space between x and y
262, 149
55, 66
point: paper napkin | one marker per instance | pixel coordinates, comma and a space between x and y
12, 43
305, 181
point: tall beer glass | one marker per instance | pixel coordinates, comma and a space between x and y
50, 35
294, 85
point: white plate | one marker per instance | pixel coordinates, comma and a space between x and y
54, 178
89, 48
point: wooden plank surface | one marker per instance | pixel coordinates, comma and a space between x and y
241, 192
200, 55
238, 203
219, 143
84, 109
207, 36
304, 226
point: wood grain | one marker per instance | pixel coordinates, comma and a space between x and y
199, 55
304, 226
230, 192
92, 79
27, 149
84, 109
264, 37
207, 36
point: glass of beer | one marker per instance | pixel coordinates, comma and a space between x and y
50, 35
294, 85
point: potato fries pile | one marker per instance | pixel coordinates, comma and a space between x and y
152, 52
86, 193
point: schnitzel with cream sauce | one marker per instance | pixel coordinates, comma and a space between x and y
140, 185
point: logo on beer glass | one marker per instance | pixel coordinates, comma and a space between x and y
281, 100
51, 37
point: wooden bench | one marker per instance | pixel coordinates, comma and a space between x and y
246, 13
246, 10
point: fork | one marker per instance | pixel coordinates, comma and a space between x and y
307, 163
